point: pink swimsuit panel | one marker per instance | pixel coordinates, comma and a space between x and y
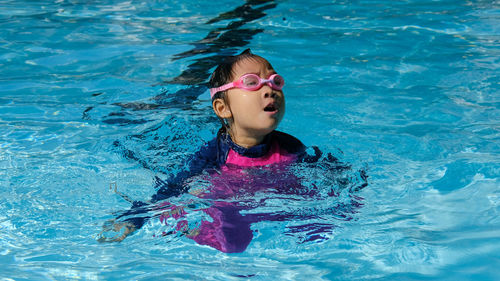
275, 155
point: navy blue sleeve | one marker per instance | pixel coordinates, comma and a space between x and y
208, 157
290, 143
204, 159
295, 146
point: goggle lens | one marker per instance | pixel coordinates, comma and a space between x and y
254, 82
278, 81
250, 81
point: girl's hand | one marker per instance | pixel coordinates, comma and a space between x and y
115, 231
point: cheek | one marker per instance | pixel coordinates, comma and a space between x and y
282, 104
241, 102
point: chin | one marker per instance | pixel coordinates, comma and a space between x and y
265, 131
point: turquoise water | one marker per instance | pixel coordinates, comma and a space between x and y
104, 93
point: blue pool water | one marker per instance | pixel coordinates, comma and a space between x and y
98, 94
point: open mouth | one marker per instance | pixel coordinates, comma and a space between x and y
272, 107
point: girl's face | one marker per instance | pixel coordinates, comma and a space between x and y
254, 113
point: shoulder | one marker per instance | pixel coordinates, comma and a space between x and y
288, 142
207, 152
212, 153
295, 146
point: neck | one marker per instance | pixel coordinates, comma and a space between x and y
246, 141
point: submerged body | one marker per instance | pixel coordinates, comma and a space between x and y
247, 97
226, 165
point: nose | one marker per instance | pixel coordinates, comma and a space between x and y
268, 92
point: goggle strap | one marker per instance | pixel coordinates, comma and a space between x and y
213, 91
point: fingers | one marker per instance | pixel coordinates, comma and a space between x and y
115, 231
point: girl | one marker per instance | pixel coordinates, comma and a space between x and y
247, 97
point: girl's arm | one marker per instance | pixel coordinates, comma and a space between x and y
133, 219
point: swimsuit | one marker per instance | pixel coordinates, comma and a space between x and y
222, 154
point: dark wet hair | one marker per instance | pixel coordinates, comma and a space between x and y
223, 74
224, 71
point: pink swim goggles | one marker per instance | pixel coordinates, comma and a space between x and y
252, 82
